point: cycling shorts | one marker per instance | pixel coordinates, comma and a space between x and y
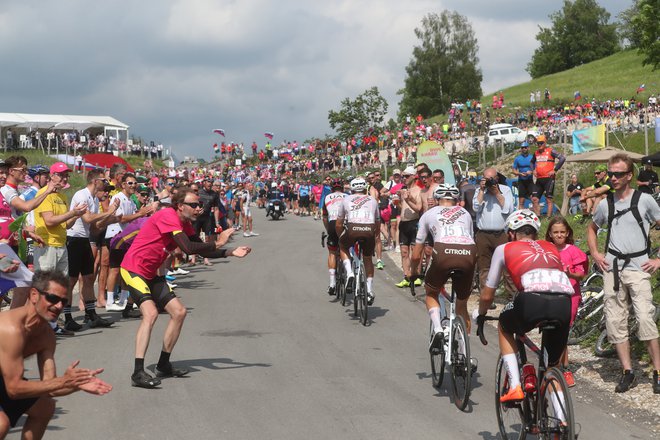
142, 289
408, 232
529, 309
333, 239
355, 232
14, 408
525, 188
544, 185
448, 257
116, 257
304, 201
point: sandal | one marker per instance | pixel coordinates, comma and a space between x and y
171, 372
142, 379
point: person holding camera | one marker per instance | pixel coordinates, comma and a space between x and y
492, 203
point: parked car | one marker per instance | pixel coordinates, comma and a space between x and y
509, 134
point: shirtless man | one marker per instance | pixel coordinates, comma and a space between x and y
25, 331
411, 205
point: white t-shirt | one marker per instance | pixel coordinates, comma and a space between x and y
126, 207
9, 194
81, 228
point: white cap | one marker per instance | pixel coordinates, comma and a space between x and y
409, 171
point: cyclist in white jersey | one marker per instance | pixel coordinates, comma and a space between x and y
450, 226
359, 212
331, 205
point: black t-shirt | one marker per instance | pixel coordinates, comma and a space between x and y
571, 187
208, 199
647, 176
467, 194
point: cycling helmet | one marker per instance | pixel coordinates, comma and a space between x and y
358, 184
445, 191
540, 139
337, 183
37, 169
522, 217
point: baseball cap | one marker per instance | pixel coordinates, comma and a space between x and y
142, 179
409, 171
600, 168
142, 188
59, 167
396, 171
647, 162
524, 145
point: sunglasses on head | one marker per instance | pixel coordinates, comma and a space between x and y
617, 174
52, 298
193, 205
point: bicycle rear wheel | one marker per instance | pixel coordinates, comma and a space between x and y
511, 416
588, 318
363, 307
555, 408
461, 368
340, 289
603, 347
437, 364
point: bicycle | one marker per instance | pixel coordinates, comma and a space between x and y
360, 299
589, 315
546, 399
454, 351
604, 348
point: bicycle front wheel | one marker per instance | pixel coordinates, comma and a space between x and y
364, 300
588, 318
603, 347
510, 415
555, 408
461, 367
437, 364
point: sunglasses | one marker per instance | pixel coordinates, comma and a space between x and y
423, 177
617, 174
194, 205
170, 183
20, 170
131, 183
144, 194
53, 299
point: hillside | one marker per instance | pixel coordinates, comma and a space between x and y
616, 76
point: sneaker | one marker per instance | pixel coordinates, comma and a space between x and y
436, 343
626, 382
656, 382
171, 372
180, 271
514, 395
113, 307
418, 282
142, 379
72, 326
97, 321
253, 234
331, 290
127, 314
246, 234
350, 279
61, 331
380, 265
370, 298
568, 376
403, 283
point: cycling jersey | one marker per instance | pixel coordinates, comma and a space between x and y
524, 163
332, 204
304, 190
359, 208
544, 161
534, 266
447, 224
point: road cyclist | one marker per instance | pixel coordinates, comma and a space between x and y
331, 206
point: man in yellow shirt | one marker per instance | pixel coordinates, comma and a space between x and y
51, 220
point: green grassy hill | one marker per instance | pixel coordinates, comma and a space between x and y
616, 76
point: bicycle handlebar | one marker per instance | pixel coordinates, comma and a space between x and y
412, 280
481, 320
323, 236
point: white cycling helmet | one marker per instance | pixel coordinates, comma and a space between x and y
445, 191
522, 217
358, 184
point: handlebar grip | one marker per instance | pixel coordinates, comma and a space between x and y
481, 320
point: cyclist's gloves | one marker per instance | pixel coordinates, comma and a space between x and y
481, 320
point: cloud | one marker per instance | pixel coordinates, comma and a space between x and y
174, 70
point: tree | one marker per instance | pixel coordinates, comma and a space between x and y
443, 67
646, 22
359, 117
629, 34
580, 33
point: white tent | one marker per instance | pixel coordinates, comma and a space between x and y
61, 122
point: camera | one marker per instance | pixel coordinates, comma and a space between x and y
490, 182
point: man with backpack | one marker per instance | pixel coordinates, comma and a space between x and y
626, 266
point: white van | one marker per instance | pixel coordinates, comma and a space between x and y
509, 134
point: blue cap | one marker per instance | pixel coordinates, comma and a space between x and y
524, 144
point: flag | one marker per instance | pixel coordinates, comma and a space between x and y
219, 131
269, 135
577, 95
588, 139
641, 88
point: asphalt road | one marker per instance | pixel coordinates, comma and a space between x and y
272, 356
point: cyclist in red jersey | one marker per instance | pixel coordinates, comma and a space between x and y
544, 294
545, 169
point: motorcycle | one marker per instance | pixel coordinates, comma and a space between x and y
275, 209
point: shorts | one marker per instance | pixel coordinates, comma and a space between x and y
448, 257
396, 212
635, 287
408, 232
246, 211
116, 257
544, 185
204, 223
355, 232
142, 289
525, 188
14, 408
51, 258
304, 201
333, 239
82, 261
528, 309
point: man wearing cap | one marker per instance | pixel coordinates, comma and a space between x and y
411, 205
524, 169
596, 192
16, 172
545, 170
647, 180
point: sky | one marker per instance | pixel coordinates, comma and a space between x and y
174, 70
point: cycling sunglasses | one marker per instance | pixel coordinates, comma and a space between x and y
53, 299
617, 174
193, 205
